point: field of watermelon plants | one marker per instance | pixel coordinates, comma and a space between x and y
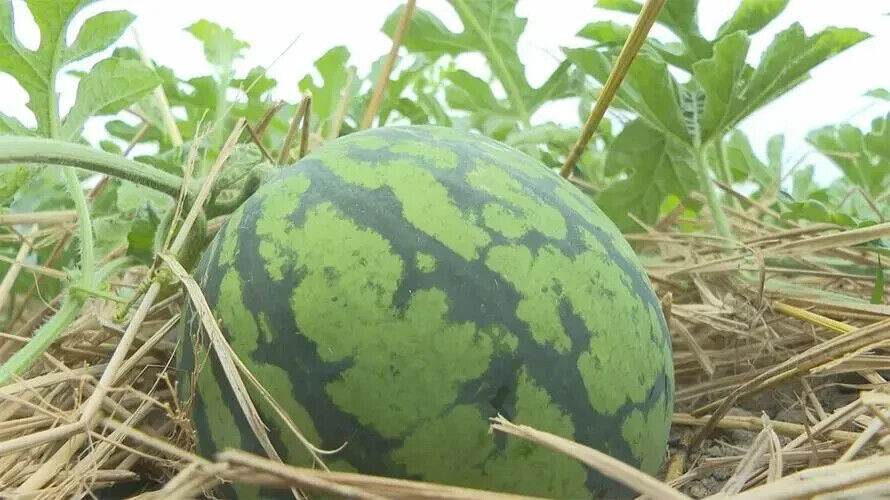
443, 297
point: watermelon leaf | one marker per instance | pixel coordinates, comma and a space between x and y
846, 146
752, 16
36, 70
879, 94
141, 236
490, 28
334, 69
112, 85
221, 48
98, 33
11, 126
656, 166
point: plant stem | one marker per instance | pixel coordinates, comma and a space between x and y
704, 176
84, 227
35, 150
36, 345
720, 151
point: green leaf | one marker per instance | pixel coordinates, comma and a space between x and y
787, 61
471, 93
433, 108
606, 32
879, 94
734, 90
332, 66
720, 77
221, 47
612, 35
679, 16
656, 167
11, 180
141, 236
563, 82
845, 145
877, 141
774, 148
802, 183
648, 89
743, 163
98, 33
392, 95
491, 28
36, 70
877, 294
11, 126
112, 85
752, 16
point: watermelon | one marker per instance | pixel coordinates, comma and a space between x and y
399, 287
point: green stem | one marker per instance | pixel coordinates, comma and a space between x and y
84, 227
36, 150
704, 176
36, 345
99, 294
724, 166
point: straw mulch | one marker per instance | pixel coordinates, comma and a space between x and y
778, 352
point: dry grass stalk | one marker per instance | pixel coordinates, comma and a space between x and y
608, 466
383, 78
632, 45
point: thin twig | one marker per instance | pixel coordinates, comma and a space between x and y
284, 154
383, 78
634, 41
304, 134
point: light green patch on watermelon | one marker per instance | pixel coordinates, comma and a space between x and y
503, 340
439, 157
514, 160
246, 331
426, 263
521, 466
567, 477
580, 203
629, 379
645, 433
230, 238
616, 367
533, 213
221, 424
426, 203
408, 391
534, 280
272, 227
363, 140
430, 448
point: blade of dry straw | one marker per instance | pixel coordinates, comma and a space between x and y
795, 366
605, 464
383, 78
375, 485
813, 481
634, 41
41, 218
223, 355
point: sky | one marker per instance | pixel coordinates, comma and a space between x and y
834, 93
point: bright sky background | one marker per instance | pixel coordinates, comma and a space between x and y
834, 94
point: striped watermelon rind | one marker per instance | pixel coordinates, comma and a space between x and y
398, 287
